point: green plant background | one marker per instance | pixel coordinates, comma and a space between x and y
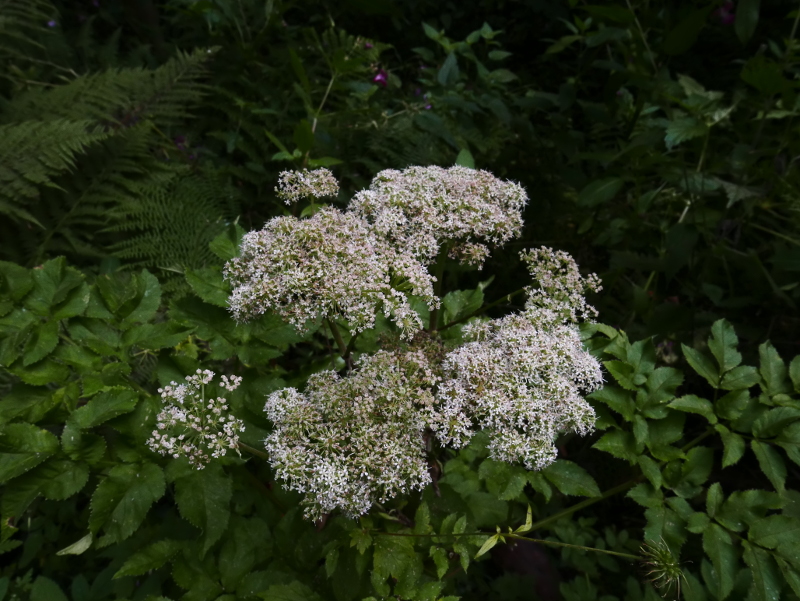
658, 144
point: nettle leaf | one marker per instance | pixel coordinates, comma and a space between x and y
702, 364
720, 550
151, 557
617, 399
773, 370
104, 406
774, 530
123, 498
203, 499
771, 463
571, 479
693, 404
766, 577
732, 444
722, 345
23, 447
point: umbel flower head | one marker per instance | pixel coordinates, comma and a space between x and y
195, 426
422, 209
295, 185
349, 442
522, 378
328, 265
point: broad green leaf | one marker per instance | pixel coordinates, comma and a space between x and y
393, 556
698, 465
772, 422
663, 522
23, 447
465, 159
15, 281
439, 557
740, 378
722, 345
360, 539
794, 373
791, 574
151, 557
123, 498
733, 446
698, 522
599, 191
104, 406
448, 74
693, 404
571, 479
766, 577
44, 589
208, 284
203, 499
146, 302
619, 444
773, 370
719, 548
746, 19
685, 33
226, 245
622, 372
650, 470
617, 399
771, 463
702, 365
42, 342
714, 499
662, 384
743, 508
773, 530
646, 496
155, 336
52, 283
732, 405
640, 432
42, 373
683, 129
247, 541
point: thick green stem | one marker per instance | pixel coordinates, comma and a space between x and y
337, 336
253, 451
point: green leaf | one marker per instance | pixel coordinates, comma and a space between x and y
717, 545
104, 406
746, 19
732, 405
771, 463
487, 546
147, 301
774, 530
79, 547
123, 498
693, 404
702, 365
646, 496
698, 465
743, 508
448, 74
619, 444
393, 557
571, 479
733, 446
794, 373
722, 344
151, 557
23, 447
683, 129
498, 55
773, 370
208, 284
360, 539
599, 191
44, 589
714, 499
650, 470
226, 245
766, 579
465, 159
617, 399
203, 499
697, 522
622, 372
662, 384
52, 283
15, 281
247, 542
41, 343
740, 378
294, 591
683, 36
772, 422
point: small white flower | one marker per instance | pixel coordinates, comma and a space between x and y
294, 185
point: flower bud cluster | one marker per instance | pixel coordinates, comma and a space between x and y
421, 209
195, 427
349, 442
295, 185
328, 265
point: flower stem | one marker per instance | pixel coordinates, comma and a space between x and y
437, 287
253, 451
337, 335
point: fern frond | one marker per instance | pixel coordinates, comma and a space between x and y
120, 97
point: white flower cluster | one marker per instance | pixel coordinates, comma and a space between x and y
294, 185
328, 265
420, 209
194, 426
350, 442
522, 377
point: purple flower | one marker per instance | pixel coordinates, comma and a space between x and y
725, 14
382, 78
368, 46
427, 107
418, 91
51, 23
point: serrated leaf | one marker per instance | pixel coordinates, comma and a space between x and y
794, 373
146, 302
23, 447
701, 364
743, 508
294, 591
773, 370
714, 499
617, 399
618, 443
123, 498
791, 575
693, 404
732, 405
771, 463
487, 546
698, 465
766, 577
717, 545
697, 522
622, 372
722, 345
42, 342
650, 470
151, 557
226, 245
683, 129
208, 284
772, 422
203, 499
645, 495
732, 444
740, 378
247, 542
662, 384
44, 589
599, 191
79, 547
774, 530
103, 407
571, 479
15, 281
52, 283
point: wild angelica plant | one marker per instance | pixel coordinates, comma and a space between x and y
296, 185
359, 438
